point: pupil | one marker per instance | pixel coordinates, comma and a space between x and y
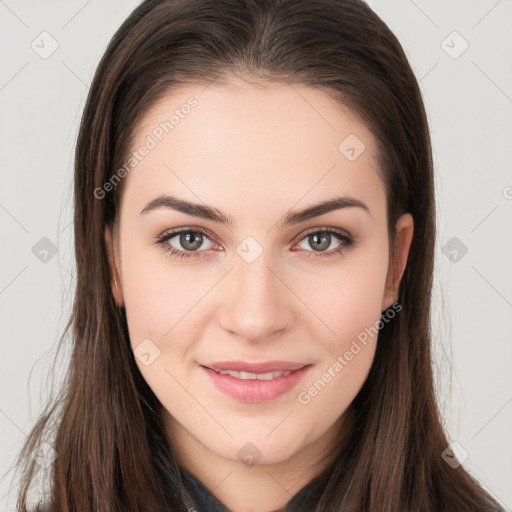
323, 240
191, 240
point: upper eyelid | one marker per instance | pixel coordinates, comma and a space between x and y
328, 229
174, 232
170, 234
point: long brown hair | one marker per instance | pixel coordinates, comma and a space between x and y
105, 427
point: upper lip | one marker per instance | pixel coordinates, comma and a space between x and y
263, 367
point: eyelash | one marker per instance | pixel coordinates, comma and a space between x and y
346, 239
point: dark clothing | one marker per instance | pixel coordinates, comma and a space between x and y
200, 494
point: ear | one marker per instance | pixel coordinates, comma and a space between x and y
115, 278
398, 260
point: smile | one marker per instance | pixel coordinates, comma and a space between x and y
254, 376
255, 382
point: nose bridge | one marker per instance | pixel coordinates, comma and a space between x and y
257, 303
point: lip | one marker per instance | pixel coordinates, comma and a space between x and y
262, 367
251, 390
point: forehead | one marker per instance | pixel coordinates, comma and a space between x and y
242, 144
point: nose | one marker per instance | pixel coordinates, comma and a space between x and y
256, 302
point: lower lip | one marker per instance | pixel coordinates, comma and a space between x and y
256, 391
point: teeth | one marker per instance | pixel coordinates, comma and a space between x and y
254, 376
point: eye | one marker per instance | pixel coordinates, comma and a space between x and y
185, 243
326, 242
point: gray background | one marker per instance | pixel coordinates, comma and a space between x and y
468, 95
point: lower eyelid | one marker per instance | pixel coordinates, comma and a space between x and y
166, 237
345, 239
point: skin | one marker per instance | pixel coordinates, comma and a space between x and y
255, 153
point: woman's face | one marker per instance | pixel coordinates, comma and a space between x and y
251, 280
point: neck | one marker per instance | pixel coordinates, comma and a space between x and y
257, 488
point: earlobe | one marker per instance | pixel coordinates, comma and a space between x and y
396, 268
115, 279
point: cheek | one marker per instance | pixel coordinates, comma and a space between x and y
346, 297
162, 306
349, 305
159, 296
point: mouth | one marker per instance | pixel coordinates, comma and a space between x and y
255, 382
254, 376
256, 368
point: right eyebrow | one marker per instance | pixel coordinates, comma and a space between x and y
195, 209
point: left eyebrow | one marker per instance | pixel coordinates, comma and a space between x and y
321, 209
292, 218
